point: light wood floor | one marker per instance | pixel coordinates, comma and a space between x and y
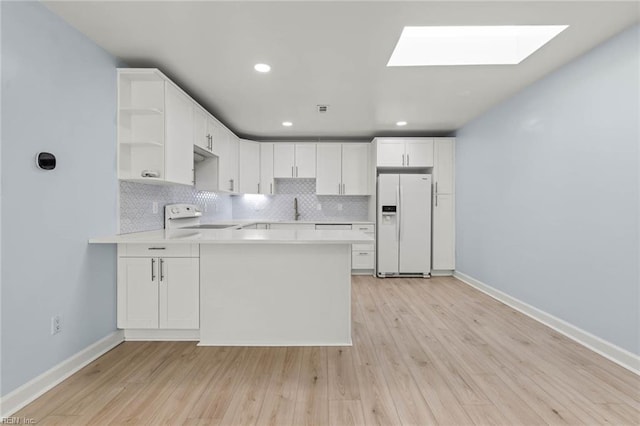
425, 352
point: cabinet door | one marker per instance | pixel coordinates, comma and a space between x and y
137, 292
305, 160
390, 152
443, 167
228, 162
200, 133
215, 130
179, 292
266, 168
283, 160
248, 167
443, 232
355, 169
329, 169
419, 152
179, 137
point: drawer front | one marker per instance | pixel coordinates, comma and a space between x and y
363, 247
292, 226
363, 228
362, 260
159, 250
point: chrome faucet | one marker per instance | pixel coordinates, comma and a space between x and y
295, 208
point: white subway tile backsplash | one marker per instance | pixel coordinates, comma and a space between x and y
136, 204
280, 206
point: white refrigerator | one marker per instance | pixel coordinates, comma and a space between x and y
404, 225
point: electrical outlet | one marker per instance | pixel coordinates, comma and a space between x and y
154, 207
56, 324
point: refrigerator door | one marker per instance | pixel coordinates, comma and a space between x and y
415, 224
387, 231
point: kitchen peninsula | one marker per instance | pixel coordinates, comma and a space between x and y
254, 287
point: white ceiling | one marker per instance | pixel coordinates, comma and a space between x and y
333, 53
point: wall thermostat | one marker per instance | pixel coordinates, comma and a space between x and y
46, 161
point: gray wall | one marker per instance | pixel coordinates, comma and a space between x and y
58, 95
547, 194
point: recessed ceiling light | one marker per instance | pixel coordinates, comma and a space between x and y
470, 45
262, 68
287, 123
401, 123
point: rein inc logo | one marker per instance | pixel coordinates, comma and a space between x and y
17, 421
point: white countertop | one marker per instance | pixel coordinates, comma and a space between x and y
238, 236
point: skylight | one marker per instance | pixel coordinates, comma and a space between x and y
470, 45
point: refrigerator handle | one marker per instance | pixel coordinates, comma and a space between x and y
399, 211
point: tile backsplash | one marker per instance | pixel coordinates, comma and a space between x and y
136, 204
280, 206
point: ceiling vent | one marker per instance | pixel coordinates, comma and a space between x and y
323, 108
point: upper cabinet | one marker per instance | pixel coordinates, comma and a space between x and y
294, 160
141, 120
248, 167
342, 169
227, 161
404, 152
178, 148
204, 126
266, 168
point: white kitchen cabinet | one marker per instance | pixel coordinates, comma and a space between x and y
266, 168
179, 136
404, 152
294, 160
355, 169
158, 292
444, 205
155, 129
248, 167
204, 129
138, 292
342, 169
329, 169
443, 233
228, 161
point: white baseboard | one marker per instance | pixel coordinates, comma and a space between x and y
442, 273
160, 335
620, 356
20, 397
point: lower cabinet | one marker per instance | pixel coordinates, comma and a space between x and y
363, 255
158, 292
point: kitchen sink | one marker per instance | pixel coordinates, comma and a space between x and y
210, 226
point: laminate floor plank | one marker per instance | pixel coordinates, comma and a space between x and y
425, 351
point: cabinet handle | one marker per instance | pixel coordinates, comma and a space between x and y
363, 254
436, 199
407, 159
161, 270
296, 171
210, 143
271, 188
258, 187
339, 189
231, 185
153, 273
436, 187
292, 174
403, 159
344, 189
157, 248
